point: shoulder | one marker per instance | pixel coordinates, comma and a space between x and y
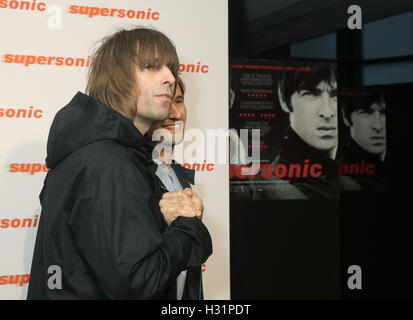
105, 150
108, 155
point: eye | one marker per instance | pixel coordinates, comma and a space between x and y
364, 112
309, 93
171, 68
305, 92
148, 66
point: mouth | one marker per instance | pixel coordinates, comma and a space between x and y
326, 128
175, 126
378, 140
166, 96
327, 132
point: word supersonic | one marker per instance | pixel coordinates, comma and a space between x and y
199, 167
30, 168
19, 222
28, 60
118, 13
23, 5
193, 68
362, 168
19, 279
21, 113
293, 170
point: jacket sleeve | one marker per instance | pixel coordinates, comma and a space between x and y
117, 235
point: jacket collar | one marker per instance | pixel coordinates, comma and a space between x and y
185, 173
85, 120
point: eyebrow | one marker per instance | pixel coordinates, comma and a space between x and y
153, 61
318, 91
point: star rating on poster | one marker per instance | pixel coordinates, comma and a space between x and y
260, 115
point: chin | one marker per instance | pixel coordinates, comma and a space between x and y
376, 150
325, 146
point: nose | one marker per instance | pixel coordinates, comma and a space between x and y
378, 121
167, 78
175, 113
328, 106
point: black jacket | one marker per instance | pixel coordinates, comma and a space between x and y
353, 154
100, 221
294, 150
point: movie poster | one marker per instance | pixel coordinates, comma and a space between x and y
294, 106
363, 139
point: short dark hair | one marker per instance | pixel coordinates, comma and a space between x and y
359, 99
181, 84
305, 75
112, 76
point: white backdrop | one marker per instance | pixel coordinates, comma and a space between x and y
34, 86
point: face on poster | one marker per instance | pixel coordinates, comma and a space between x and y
294, 104
363, 146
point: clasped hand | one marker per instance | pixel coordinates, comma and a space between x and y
185, 203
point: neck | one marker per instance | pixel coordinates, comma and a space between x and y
332, 153
141, 125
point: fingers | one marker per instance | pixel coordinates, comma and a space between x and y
178, 202
188, 209
183, 197
188, 192
198, 204
185, 203
179, 205
174, 194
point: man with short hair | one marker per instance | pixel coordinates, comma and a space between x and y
177, 180
364, 115
101, 224
307, 92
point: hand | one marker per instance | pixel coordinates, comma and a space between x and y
183, 203
198, 203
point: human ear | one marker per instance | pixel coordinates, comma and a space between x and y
345, 120
283, 104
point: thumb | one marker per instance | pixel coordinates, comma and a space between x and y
188, 192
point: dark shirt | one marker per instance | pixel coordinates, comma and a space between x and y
294, 151
359, 159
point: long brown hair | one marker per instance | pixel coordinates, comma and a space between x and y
112, 74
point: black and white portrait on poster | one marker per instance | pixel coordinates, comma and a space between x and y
294, 104
363, 139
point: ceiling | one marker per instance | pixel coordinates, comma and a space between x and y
260, 26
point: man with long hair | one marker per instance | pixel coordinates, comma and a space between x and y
101, 227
